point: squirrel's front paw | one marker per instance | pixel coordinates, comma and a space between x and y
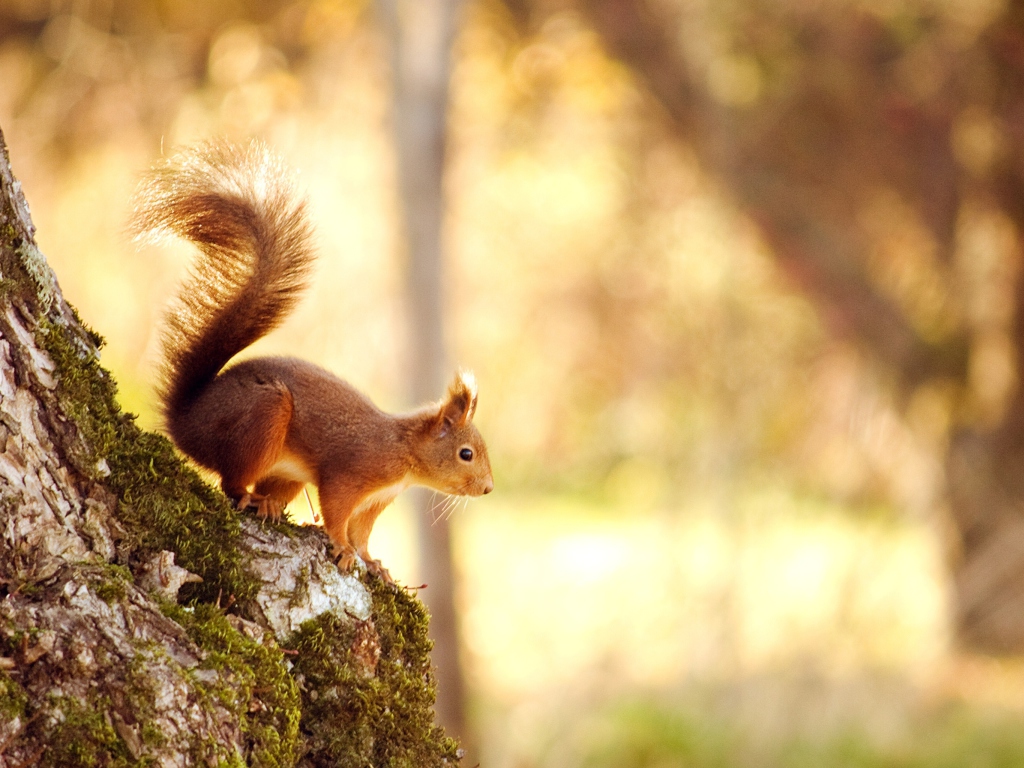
344, 557
378, 570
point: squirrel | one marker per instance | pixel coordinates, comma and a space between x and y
270, 425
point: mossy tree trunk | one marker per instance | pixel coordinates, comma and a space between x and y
143, 621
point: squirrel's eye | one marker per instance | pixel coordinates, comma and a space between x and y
466, 454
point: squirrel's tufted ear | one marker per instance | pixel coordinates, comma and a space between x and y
459, 405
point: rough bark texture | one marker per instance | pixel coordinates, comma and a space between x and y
145, 622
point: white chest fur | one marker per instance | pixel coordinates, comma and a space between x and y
384, 496
291, 467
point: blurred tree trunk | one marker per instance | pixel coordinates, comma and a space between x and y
278, 659
420, 33
806, 162
986, 463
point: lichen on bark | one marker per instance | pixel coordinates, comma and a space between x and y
101, 661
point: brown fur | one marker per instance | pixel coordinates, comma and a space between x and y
270, 425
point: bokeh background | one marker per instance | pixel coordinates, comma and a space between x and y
740, 284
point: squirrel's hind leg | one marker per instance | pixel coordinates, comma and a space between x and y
256, 438
272, 495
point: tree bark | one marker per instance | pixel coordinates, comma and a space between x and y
145, 621
420, 33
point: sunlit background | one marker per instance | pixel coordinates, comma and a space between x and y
720, 534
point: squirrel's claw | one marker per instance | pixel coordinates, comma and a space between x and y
266, 507
270, 508
374, 566
344, 558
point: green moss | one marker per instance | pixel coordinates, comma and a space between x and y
38, 271
353, 716
163, 503
109, 582
301, 592
83, 736
140, 692
12, 698
151, 735
7, 288
255, 685
11, 644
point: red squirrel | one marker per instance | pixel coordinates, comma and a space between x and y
269, 425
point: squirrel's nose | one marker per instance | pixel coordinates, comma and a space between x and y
489, 487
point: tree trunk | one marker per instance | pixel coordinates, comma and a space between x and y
251, 649
804, 160
986, 482
420, 33
985, 464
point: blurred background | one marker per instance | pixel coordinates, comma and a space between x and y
740, 282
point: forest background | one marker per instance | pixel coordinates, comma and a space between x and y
740, 282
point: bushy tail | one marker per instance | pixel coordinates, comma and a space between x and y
237, 205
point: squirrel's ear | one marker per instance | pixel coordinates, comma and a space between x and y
459, 405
